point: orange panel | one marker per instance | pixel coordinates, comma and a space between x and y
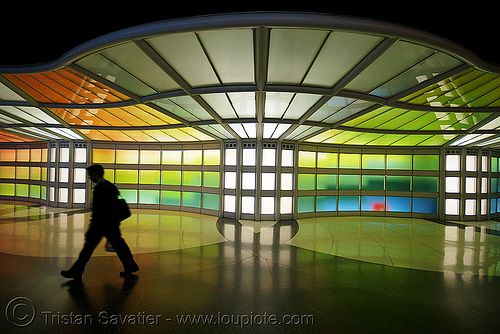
27, 89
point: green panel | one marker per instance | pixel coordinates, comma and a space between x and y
7, 189
43, 192
127, 176
326, 182
149, 196
171, 197
211, 201
494, 164
191, 199
411, 140
307, 181
305, 204
327, 160
493, 187
307, 159
399, 162
35, 191
211, 179
425, 183
426, 162
149, 176
350, 160
109, 174
373, 161
349, 182
22, 190
372, 182
326, 203
171, 177
211, 157
398, 183
130, 195
191, 179
192, 157
437, 140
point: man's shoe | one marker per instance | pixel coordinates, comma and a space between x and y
70, 274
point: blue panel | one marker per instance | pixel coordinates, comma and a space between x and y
372, 203
305, 204
398, 204
425, 205
326, 203
348, 203
493, 205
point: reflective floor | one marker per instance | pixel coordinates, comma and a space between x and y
202, 274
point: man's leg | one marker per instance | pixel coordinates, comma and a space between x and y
92, 238
121, 248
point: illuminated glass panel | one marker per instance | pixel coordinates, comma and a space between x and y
127, 176
229, 203
249, 156
494, 183
24, 156
230, 180
8, 155
398, 183
372, 203
149, 177
103, 156
399, 162
127, 157
470, 185
453, 163
171, 197
452, 184
36, 155
211, 157
470, 207
471, 163
286, 181
350, 160
307, 159
397, 204
327, 160
494, 164
35, 191
326, 182
268, 180
63, 174
286, 205
80, 155
493, 205
191, 199
7, 189
150, 157
130, 195
211, 179
109, 174
248, 181
267, 206
372, 182
79, 196
305, 204
63, 195
211, 201
64, 154
9, 172
426, 162
191, 179
269, 157
171, 157
287, 158
425, 205
171, 177
373, 161
306, 181
348, 203
23, 173
79, 175
326, 203
425, 183
248, 204
230, 157
22, 190
349, 182
149, 196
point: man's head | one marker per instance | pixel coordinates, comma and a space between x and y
95, 172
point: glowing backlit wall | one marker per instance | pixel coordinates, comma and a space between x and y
338, 181
23, 172
175, 177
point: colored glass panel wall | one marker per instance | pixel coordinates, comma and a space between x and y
103, 156
211, 201
399, 162
171, 197
373, 161
149, 177
426, 162
127, 157
192, 157
149, 196
191, 199
398, 204
327, 160
425, 205
171, 178
348, 203
349, 182
398, 183
326, 182
307, 159
211, 179
347, 160
306, 181
305, 204
326, 203
191, 179
211, 157
372, 182
372, 203
127, 176
425, 183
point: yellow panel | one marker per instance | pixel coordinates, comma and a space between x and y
150, 157
103, 156
7, 172
171, 157
127, 157
211, 157
22, 173
36, 155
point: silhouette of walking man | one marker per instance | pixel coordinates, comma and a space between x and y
102, 224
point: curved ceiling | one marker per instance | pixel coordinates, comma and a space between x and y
302, 77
